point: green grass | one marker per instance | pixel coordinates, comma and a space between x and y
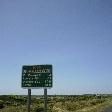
70, 103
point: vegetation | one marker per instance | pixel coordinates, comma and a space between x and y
56, 103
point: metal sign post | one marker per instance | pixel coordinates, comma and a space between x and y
37, 76
29, 99
45, 100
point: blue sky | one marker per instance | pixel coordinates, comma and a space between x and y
75, 36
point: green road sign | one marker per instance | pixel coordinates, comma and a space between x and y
37, 76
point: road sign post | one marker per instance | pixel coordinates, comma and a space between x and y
45, 100
37, 76
29, 99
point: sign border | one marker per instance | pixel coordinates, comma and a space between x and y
37, 87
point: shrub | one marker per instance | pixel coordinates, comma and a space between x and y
1, 104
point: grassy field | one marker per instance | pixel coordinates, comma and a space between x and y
56, 103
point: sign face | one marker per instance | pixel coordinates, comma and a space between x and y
37, 76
